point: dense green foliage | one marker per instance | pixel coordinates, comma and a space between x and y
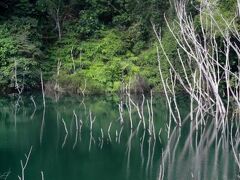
105, 44
20, 50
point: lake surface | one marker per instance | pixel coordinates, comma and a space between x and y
65, 147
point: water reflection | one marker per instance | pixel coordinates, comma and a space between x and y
200, 154
109, 138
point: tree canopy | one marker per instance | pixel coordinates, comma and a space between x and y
104, 42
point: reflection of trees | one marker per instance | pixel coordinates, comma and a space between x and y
199, 151
5, 175
201, 154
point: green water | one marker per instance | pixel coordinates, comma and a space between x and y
88, 155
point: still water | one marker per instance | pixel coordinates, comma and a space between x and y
65, 148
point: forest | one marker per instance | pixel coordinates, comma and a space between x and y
97, 45
100, 43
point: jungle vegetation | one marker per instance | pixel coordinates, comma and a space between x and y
97, 45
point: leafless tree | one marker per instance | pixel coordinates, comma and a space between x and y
202, 73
